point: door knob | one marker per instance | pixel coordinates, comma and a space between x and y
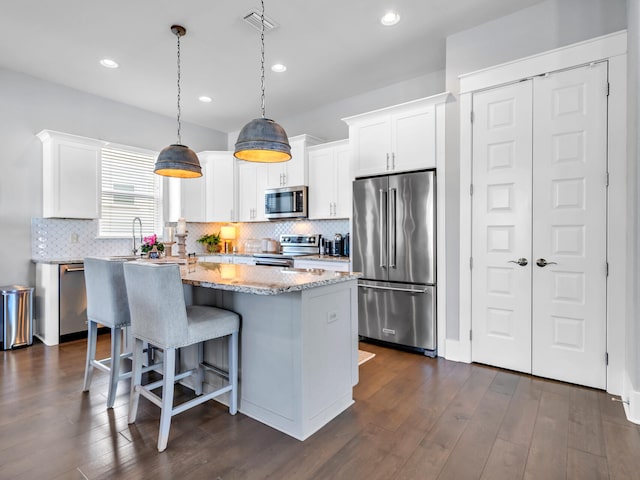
521, 261
541, 262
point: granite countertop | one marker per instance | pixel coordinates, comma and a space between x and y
222, 254
60, 261
259, 280
57, 261
324, 258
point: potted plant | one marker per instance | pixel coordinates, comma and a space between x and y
211, 242
151, 247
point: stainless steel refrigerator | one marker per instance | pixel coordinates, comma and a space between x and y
394, 246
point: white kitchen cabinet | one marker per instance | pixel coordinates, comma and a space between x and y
323, 264
395, 139
71, 175
252, 182
193, 197
210, 198
244, 260
295, 171
220, 183
330, 180
224, 258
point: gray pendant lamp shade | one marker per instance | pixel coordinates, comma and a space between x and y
178, 160
262, 139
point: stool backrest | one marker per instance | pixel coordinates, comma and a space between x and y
106, 293
156, 302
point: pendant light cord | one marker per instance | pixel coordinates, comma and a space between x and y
179, 136
262, 59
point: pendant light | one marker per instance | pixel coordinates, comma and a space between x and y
178, 160
262, 139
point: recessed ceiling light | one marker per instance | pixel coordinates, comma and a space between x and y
204, 99
390, 18
279, 68
108, 63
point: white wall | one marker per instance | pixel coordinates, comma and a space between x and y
325, 122
30, 105
545, 26
633, 148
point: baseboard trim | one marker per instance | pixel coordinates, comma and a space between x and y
631, 400
457, 351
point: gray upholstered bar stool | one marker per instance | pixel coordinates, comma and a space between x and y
107, 305
160, 316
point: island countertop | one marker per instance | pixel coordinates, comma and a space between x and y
260, 280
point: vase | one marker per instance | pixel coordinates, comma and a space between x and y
213, 248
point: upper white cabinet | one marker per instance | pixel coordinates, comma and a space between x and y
295, 171
395, 139
71, 175
252, 182
210, 198
330, 180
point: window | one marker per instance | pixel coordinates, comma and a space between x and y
129, 189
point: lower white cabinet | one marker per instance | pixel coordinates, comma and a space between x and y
235, 259
330, 180
244, 260
335, 266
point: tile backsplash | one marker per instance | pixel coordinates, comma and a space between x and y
55, 238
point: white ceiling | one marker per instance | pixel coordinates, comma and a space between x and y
333, 49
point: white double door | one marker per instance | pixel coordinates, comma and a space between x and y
539, 226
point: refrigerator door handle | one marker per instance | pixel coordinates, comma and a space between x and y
396, 289
392, 227
382, 208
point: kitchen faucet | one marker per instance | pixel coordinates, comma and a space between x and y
133, 230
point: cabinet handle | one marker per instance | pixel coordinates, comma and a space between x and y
387, 161
335, 210
393, 161
284, 179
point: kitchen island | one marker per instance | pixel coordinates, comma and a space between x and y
298, 340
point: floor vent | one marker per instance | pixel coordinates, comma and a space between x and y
253, 18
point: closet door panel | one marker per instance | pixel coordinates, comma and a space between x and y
501, 230
569, 227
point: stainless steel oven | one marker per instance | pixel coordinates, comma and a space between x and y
292, 245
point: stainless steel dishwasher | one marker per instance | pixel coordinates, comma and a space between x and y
72, 299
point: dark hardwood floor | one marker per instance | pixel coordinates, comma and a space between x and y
414, 418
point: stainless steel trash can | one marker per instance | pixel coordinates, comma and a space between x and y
16, 316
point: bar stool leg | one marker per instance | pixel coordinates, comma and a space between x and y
136, 380
199, 378
114, 373
233, 373
168, 382
92, 337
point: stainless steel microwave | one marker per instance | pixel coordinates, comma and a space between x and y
286, 202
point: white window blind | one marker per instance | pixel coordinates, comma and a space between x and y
129, 189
